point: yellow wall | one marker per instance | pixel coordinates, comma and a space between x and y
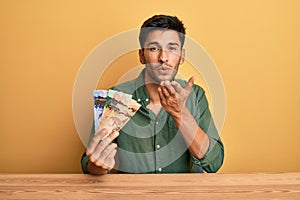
255, 44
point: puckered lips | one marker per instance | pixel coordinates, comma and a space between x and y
164, 69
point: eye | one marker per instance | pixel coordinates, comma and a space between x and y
153, 48
172, 48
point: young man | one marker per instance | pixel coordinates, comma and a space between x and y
173, 131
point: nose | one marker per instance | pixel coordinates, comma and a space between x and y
164, 56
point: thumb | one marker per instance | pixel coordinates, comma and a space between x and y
190, 83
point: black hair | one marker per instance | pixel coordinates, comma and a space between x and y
158, 22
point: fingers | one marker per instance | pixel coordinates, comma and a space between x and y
99, 137
95, 141
111, 136
165, 91
100, 149
170, 88
187, 88
161, 95
177, 87
106, 160
110, 160
190, 83
100, 146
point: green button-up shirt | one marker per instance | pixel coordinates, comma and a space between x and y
151, 143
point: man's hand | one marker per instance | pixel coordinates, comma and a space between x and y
102, 152
173, 97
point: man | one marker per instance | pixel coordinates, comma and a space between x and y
173, 131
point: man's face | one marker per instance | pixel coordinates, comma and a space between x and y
162, 55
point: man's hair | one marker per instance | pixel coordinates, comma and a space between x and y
162, 22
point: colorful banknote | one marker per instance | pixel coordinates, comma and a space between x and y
99, 102
118, 109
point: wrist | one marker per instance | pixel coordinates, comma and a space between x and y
95, 170
179, 116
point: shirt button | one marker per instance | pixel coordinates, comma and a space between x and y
156, 122
147, 100
139, 100
158, 146
159, 169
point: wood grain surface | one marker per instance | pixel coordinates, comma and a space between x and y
150, 186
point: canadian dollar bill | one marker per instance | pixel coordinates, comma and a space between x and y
99, 102
118, 109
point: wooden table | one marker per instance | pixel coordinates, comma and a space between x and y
150, 186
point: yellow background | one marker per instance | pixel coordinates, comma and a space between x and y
255, 44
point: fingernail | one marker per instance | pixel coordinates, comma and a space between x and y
92, 159
116, 134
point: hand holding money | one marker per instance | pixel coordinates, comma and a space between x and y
101, 151
112, 110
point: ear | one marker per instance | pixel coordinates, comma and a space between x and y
182, 58
141, 56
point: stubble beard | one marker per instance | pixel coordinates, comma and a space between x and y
155, 77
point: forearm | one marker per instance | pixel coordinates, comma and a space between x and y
196, 139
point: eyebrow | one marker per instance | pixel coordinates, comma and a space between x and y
173, 43
156, 43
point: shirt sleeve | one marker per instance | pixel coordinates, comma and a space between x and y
84, 161
84, 158
213, 159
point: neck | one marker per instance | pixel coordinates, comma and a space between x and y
154, 104
152, 91
151, 88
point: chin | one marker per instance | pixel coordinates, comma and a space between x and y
168, 77
158, 77
165, 79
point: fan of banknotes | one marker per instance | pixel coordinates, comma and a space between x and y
113, 109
